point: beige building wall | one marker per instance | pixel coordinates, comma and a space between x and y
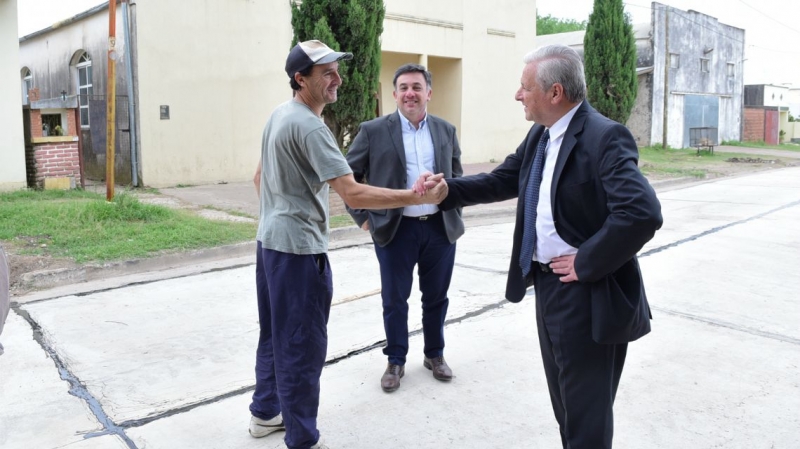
474, 51
446, 100
219, 67
12, 143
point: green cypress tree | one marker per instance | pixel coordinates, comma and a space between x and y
609, 58
346, 25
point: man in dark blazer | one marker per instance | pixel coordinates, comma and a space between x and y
392, 151
584, 210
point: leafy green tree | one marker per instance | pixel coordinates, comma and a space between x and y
553, 25
346, 25
610, 60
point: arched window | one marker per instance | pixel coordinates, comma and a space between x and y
84, 67
27, 84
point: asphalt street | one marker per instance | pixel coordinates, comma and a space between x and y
166, 360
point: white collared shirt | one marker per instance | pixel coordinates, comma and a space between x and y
548, 243
418, 145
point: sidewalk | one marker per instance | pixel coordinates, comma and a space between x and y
241, 196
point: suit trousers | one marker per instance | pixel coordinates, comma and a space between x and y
294, 302
582, 375
422, 243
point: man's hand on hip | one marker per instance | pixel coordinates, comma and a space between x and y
565, 266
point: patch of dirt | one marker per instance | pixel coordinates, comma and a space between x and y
20, 264
750, 160
218, 215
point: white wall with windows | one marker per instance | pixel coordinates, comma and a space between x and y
12, 143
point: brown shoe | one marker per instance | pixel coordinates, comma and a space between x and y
390, 380
439, 367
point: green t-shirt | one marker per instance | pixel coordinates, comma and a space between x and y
298, 154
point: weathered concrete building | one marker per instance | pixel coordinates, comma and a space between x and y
690, 76
204, 85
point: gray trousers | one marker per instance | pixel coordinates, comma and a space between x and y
4, 300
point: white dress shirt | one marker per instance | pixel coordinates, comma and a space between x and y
418, 145
548, 243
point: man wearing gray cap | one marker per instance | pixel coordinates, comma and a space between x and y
300, 160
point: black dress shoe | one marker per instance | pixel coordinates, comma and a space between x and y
439, 367
390, 380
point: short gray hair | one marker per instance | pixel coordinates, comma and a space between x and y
559, 64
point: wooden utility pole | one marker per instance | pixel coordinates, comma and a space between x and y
111, 99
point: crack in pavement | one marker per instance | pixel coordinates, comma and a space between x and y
728, 325
717, 229
76, 387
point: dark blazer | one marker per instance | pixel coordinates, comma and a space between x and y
602, 205
377, 156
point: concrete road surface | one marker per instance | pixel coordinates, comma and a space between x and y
168, 363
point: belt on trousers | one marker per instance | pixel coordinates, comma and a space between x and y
545, 267
422, 217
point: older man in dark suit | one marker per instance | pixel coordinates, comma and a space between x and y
392, 151
584, 211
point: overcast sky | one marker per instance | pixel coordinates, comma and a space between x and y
37, 14
772, 31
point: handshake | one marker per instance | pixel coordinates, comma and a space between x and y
431, 189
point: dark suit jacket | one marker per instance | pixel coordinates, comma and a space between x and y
377, 156
602, 205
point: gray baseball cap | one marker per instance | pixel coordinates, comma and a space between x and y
310, 53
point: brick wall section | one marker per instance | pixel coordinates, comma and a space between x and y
56, 160
754, 125
72, 126
36, 123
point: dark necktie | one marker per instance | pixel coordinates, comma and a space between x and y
531, 201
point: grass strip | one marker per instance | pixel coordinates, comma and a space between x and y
83, 226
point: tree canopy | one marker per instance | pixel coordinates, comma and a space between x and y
346, 25
553, 25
